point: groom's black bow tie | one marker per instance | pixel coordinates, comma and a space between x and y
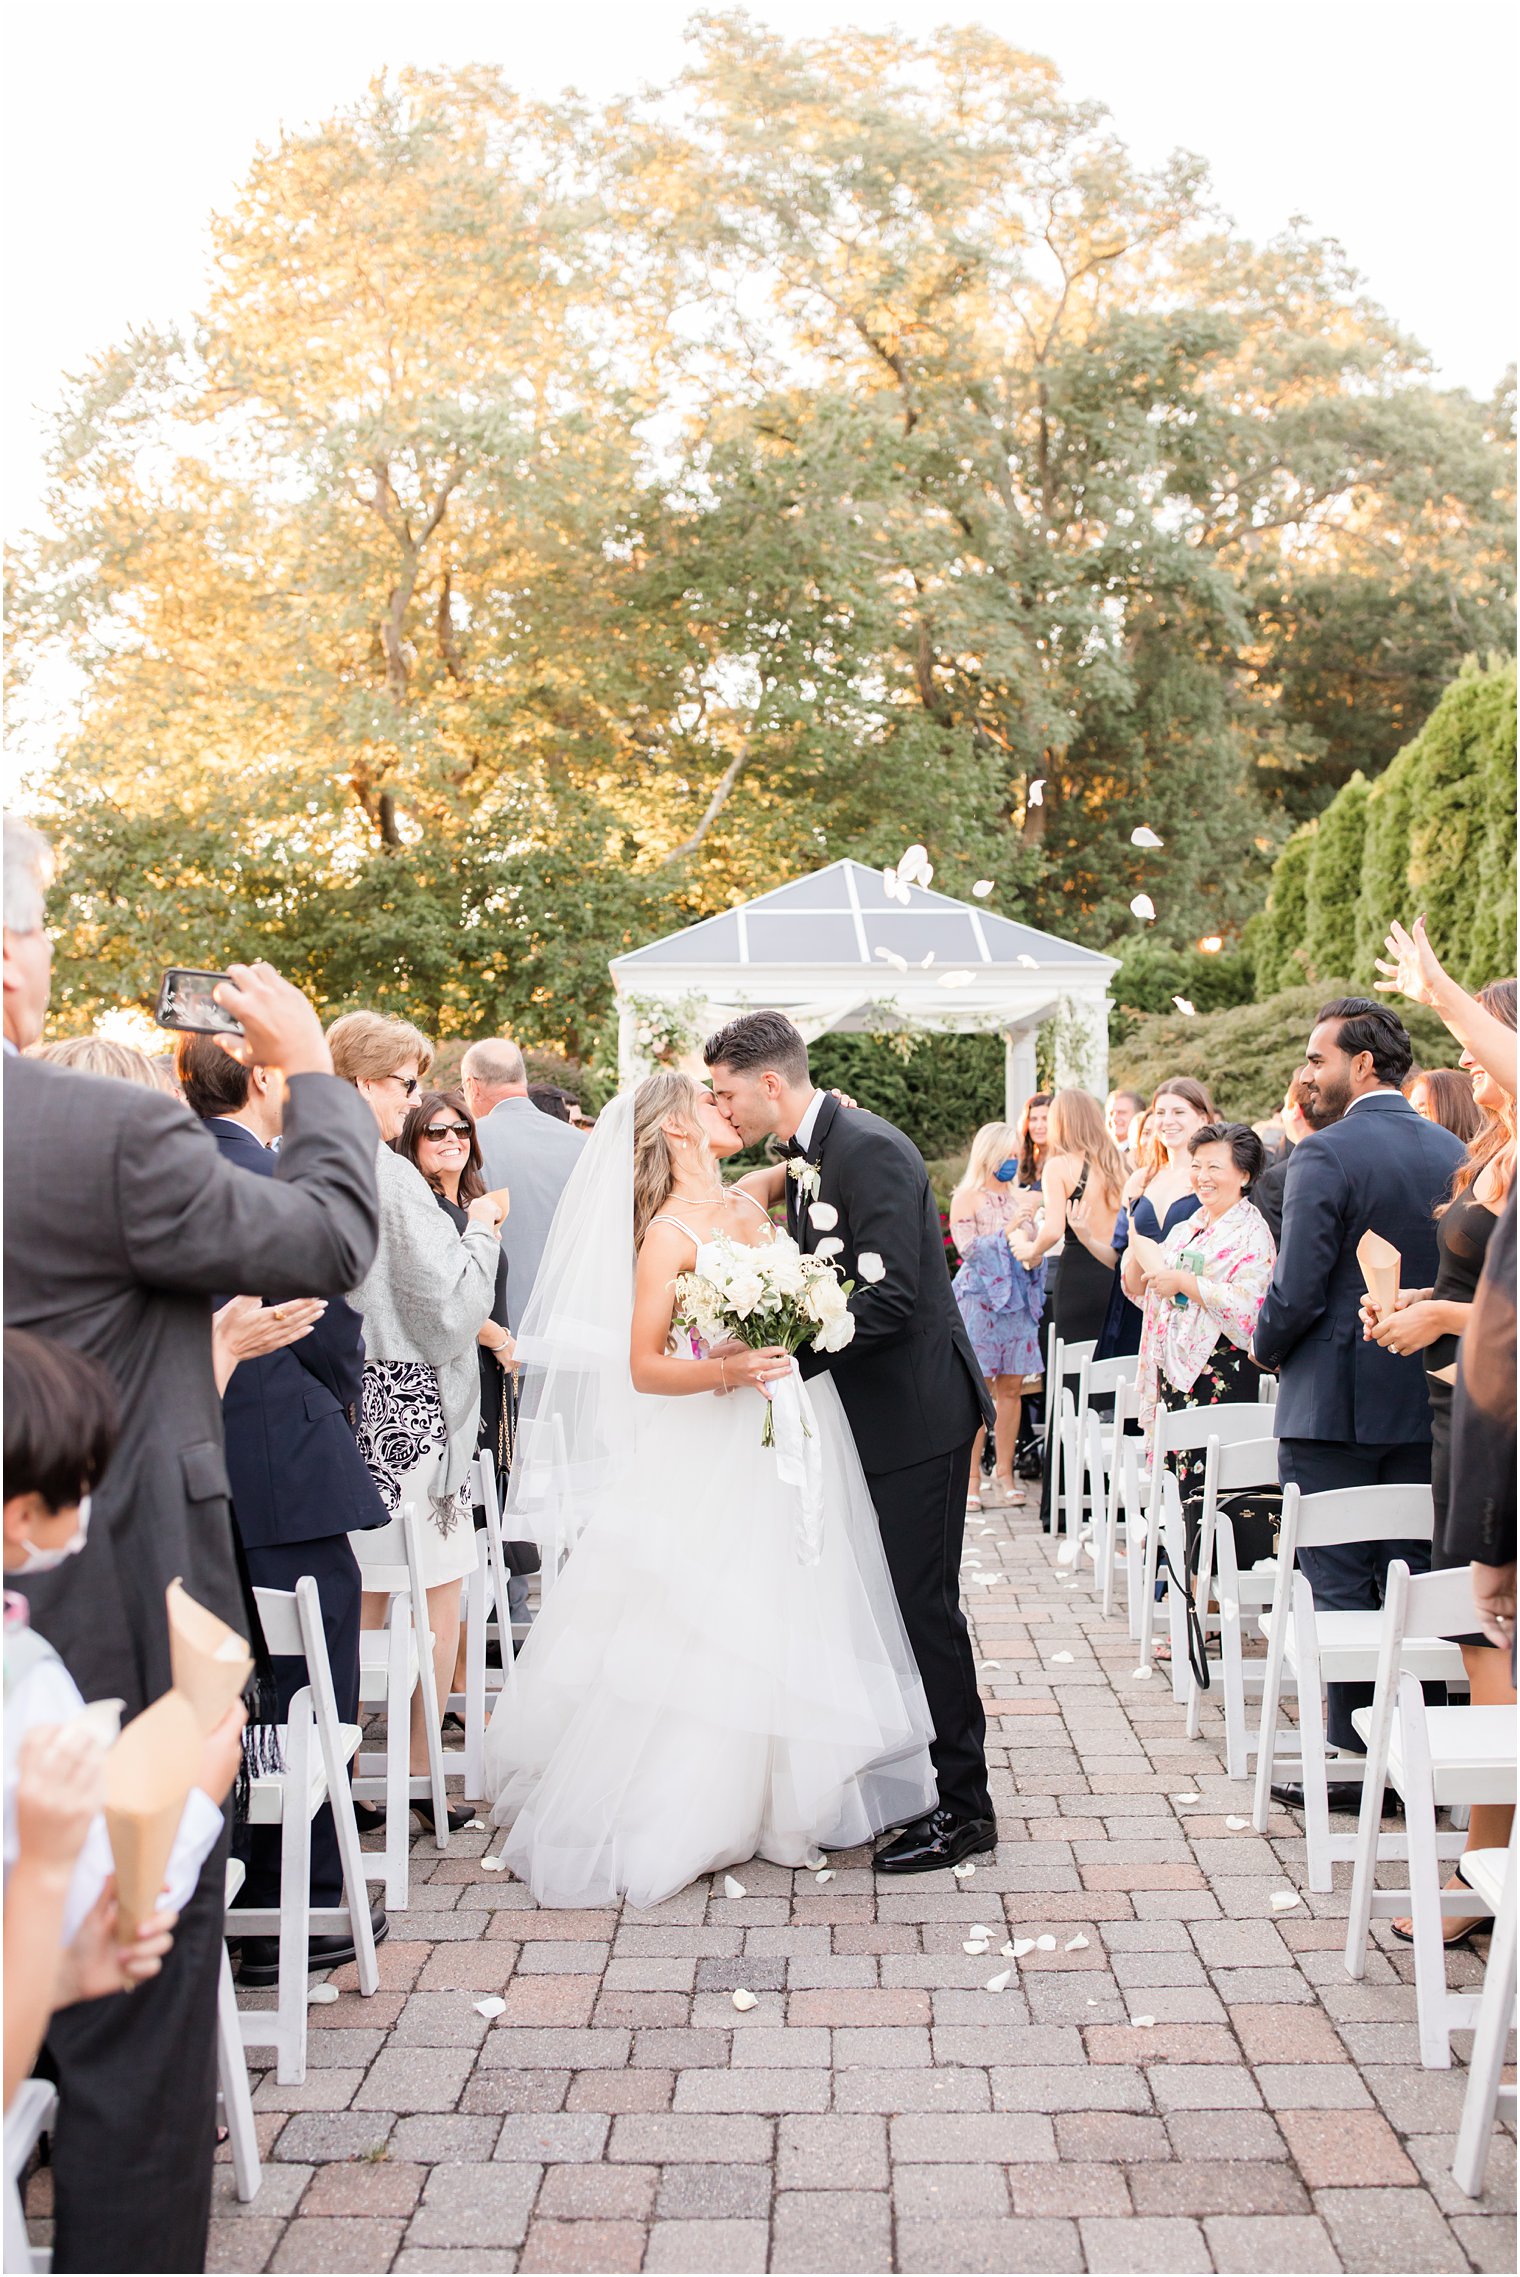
793, 1146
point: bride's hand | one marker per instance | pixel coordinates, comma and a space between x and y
756, 1368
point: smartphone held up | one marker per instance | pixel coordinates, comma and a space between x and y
185, 1001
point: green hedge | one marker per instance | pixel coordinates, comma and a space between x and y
1246, 1055
939, 1092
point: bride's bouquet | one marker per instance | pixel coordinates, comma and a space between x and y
778, 1295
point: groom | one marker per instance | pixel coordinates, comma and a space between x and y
909, 1382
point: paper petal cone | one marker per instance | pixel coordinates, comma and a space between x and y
1444, 1375
210, 1661
149, 1772
1147, 1253
1380, 1263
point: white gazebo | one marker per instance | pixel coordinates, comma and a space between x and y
835, 950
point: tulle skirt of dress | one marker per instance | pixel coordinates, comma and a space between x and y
691, 1694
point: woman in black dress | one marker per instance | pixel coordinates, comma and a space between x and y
1432, 1321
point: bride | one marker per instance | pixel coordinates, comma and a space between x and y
692, 1694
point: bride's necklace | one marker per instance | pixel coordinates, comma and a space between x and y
680, 1194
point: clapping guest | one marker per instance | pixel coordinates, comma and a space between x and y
1203, 1299
1444, 1095
424, 1301
1000, 1299
1159, 1193
1080, 1188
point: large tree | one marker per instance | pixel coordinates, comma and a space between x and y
561, 523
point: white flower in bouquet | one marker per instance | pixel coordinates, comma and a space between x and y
771, 1296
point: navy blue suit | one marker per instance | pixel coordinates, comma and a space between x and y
1349, 1413
299, 1488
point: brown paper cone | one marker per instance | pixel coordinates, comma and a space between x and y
210, 1661
1148, 1254
149, 1773
1380, 1263
1444, 1375
501, 1196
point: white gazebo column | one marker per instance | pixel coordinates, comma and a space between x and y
1018, 1071
1081, 1041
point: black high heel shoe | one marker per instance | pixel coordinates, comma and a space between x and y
458, 1818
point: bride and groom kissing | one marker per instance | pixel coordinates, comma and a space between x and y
694, 1693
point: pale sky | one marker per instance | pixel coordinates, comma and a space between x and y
1389, 125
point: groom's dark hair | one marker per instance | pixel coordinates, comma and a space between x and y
759, 1039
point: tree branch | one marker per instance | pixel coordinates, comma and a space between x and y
715, 806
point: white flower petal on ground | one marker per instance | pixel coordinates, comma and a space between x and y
1064, 1658
1142, 1672
494, 2006
476, 1826
1037, 791
493, 1865
1188, 1011
975, 1945
1143, 906
870, 1267
964, 1871
978, 1929
1237, 1825
731, 1888
1188, 1798
1046, 1944
982, 888
1019, 1947
744, 2000
1075, 1945
824, 1874
986, 1664
815, 1858
1143, 2023
1145, 836
1282, 1899
823, 1215
323, 1995
999, 1983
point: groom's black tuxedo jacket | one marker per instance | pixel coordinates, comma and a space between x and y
909, 1381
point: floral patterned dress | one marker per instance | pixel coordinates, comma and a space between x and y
1000, 1299
1197, 1355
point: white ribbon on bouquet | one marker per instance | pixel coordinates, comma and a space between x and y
799, 1458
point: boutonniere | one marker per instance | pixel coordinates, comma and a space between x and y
805, 1173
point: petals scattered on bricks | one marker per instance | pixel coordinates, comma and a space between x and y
731, 1888
744, 2000
1000, 1981
320, 1995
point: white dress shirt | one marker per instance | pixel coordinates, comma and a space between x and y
803, 1135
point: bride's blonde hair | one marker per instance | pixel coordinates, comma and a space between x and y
661, 1097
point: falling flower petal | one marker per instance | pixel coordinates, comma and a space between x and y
1019, 1947
830, 1246
1237, 1825
1075, 1945
975, 1945
1063, 1657
912, 861
957, 979
1037, 791
744, 2000
823, 1215
1046, 1944
321, 1995
891, 957
999, 1983
1189, 1798
889, 879
731, 1888
493, 1865
1143, 906
925, 962
964, 1871
1144, 836
1188, 1011
1143, 2023
870, 1267
982, 888
494, 2006
1282, 1899
824, 1874
1032, 962
1068, 1553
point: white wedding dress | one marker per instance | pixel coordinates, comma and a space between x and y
692, 1695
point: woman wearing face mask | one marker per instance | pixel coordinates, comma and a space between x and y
1158, 1194
425, 1300
1433, 1320
61, 1925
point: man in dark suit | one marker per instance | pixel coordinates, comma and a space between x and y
1348, 1412
300, 1486
909, 1383
121, 1221
1297, 1121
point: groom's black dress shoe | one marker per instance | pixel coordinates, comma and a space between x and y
1343, 1794
941, 1839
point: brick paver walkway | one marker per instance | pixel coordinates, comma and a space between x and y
1176, 2077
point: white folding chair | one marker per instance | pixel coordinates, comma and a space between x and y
1185, 1432
1087, 1453
1432, 1757
1225, 1594
315, 1752
1063, 1365
33, 2108
393, 1661
486, 1601
510, 1631
232, 2067
1310, 1649
1492, 1874
1122, 1455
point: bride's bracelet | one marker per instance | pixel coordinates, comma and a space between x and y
723, 1371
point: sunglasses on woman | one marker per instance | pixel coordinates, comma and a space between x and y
438, 1132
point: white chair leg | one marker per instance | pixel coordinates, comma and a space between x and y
1232, 1684
355, 1889
1176, 1601
1425, 1912
475, 1674
1495, 2020
232, 2078
1271, 1704
295, 1905
1316, 1785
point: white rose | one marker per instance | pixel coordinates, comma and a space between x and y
785, 1275
745, 1292
823, 1215
826, 1299
835, 1334
869, 1266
